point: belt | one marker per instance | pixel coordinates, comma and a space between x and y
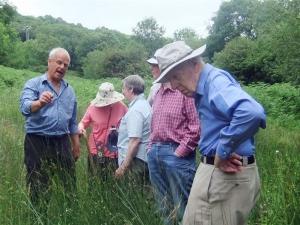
55, 136
49, 136
246, 160
159, 143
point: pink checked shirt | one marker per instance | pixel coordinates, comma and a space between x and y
99, 119
175, 119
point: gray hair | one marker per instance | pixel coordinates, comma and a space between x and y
54, 52
135, 83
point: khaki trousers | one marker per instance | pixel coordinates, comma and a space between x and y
219, 198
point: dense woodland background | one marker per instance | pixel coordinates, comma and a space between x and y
256, 40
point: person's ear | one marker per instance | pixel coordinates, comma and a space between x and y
197, 68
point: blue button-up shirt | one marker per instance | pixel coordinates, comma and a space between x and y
229, 116
55, 118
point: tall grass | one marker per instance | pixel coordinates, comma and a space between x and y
119, 203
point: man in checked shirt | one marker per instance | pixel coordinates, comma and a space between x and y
175, 131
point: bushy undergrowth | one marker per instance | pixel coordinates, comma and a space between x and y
118, 203
281, 102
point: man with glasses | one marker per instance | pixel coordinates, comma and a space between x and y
49, 106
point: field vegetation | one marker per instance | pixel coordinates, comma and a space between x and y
121, 203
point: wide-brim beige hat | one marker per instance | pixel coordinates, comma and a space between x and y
106, 95
172, 55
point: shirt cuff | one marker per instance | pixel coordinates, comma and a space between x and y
223, 152
27, 108
182, 151
74, 129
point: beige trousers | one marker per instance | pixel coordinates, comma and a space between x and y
219, 198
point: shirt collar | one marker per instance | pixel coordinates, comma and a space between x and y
203, 78
140, 96
44, 79
167, 86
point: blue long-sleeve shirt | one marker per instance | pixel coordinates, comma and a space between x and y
229, 116
55, 118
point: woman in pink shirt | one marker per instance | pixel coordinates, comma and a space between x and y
103, 115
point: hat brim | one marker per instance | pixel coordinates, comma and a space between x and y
101, 102
163, 78
152, 61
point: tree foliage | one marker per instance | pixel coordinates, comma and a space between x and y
115, 62
150, 34
236, 58
233, 20
7, 12
257, 40
7, 34
271, 54
189, 36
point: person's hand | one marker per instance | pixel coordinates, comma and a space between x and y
177, 155
119, 173
46, 98
76, 152
81, 130
230, 165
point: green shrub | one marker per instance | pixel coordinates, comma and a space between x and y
281, 101
115, 62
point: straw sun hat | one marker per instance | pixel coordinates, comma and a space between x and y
106, 95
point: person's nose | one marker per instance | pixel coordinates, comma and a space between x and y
64, 66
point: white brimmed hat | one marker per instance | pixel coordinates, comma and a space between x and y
152, 61
172, 55
106, 95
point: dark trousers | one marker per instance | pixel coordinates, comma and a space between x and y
138, 172
48, 159
101, 168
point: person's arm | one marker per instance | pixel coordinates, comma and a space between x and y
191, 137
75, 146
133, 147
45, 98
31, 101
74, 133
85, 122
244, 114
135, 123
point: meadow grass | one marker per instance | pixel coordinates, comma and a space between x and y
122, 203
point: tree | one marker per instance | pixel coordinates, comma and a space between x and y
277, 24
115, 61
7, 12
8, 35
234, 19
99, 39
150, 34
273, 56
33, 54
237, 58
189, 36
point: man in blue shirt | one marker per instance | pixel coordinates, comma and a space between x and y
49, 106
226, 185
